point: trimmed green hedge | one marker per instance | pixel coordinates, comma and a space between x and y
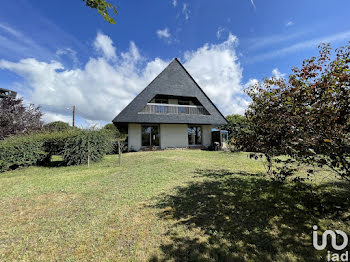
74, 146
77, 147
20, 151
54, 142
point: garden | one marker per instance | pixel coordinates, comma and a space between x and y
65, 195
185, 205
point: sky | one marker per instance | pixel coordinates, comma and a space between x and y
57, 54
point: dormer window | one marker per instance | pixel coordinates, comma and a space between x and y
184, 102
161, 101
179, 105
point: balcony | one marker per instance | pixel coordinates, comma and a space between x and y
5, 93
153, 108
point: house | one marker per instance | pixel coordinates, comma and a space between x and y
171, 112
5, 93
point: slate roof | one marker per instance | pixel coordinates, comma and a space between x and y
174, 80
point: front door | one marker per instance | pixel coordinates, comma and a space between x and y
150, 136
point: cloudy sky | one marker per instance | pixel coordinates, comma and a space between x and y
59, 53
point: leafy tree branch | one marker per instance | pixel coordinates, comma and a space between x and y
103, 7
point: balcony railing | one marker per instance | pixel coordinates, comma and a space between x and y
153, 108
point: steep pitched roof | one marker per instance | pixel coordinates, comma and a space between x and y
174, 80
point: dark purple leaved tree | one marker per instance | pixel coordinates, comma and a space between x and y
16, 118
306, 117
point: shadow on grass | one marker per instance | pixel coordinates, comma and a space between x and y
55, 163
245, 217
52, 161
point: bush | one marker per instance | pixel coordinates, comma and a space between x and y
113, 148
112, 131
83, 143
57, 126
53, 143
20, 151
74, 146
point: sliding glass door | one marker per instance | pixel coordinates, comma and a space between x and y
194, 135
150, 136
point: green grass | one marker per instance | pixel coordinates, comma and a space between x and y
185, 205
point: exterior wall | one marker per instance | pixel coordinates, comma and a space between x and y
206, 135
173, 101
173, 136
134, 137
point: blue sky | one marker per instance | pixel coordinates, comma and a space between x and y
60, 53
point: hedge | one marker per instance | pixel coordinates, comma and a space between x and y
53, 143
78, 146
74, 146
20, 151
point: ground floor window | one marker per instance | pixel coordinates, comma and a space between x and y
194, 135
150, 135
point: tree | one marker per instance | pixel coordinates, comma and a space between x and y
111, 130
238, 128
308, 117
236, 119
103, 7
16, 118
57, 126
116, 145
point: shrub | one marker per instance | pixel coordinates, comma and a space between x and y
113, 147
79, 145
111, 130
53, 143
74, 146
57, 126
20, 151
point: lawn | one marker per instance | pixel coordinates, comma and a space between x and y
183, 205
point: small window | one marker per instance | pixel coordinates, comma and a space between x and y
161, 101
184, 102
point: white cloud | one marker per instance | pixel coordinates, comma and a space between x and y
219, 32
289, 23
72, 54
91, 124
163, 33
103, 87
252, 2
277, 74
100, 90
104, 44
218, 72
12, 41
271, 40
251, 82
301, 46
10, 30
52, 116
186, 11
174, 3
